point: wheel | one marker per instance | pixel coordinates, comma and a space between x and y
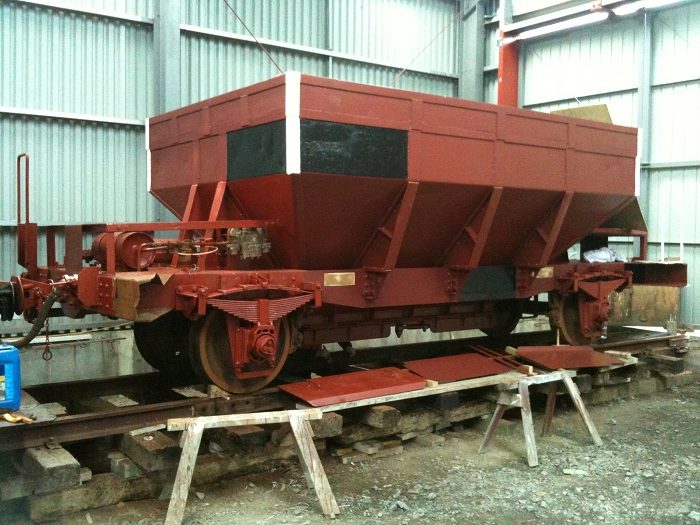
163, 343
510, 313
211, 354
563, 314
193, 351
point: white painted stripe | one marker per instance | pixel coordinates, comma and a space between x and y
148, 154
638, 163
292, 101
70, 116
72, 7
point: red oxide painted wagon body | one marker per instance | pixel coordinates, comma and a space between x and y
314, 210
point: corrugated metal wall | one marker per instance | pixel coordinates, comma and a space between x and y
75, 90
367, 41
605, 64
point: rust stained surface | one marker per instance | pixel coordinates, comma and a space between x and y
328, 390
556, 357
457, 367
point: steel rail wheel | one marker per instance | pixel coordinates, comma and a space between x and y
511, 311
213, 354
163, 343
193, 350
564, 315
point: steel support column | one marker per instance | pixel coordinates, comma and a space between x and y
644, 113
470, 51
508, 65
508, 62
166, 38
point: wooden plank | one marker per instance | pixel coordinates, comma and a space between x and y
311, 463
370, 446
551, 405
576, 397
511, 377
528, 428
356, 457
491, 430
509, 399
231, 420
185, 469
548, 378
665, 363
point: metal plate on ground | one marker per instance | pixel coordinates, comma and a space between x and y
556, 357
341, 388
457, 367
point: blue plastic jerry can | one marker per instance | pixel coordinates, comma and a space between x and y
10, 379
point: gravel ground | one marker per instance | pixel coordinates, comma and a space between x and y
648, 472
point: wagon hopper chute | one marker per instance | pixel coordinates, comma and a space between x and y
315, 210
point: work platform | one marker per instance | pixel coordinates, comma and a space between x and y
311, 463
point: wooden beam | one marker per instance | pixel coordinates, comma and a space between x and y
493, 425
576, 397
308, 455
233, 420
311, 464
183, 478
528, 427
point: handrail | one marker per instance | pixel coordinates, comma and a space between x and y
26, 188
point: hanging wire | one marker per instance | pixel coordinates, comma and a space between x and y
264, 49
437, 35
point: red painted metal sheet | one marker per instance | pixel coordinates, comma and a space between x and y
457, 367
556, 357
342, 388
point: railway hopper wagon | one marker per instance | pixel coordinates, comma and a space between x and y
314, 210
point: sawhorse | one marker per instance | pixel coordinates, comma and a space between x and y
299, 421
521, 400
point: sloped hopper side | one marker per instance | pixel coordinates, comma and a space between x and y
331, 162
629, 218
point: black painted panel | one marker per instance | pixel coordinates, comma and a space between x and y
346, 149
257, 151
489, 282
326, 147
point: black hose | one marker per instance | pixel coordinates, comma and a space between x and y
39, 321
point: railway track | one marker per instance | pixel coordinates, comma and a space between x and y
155, 398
